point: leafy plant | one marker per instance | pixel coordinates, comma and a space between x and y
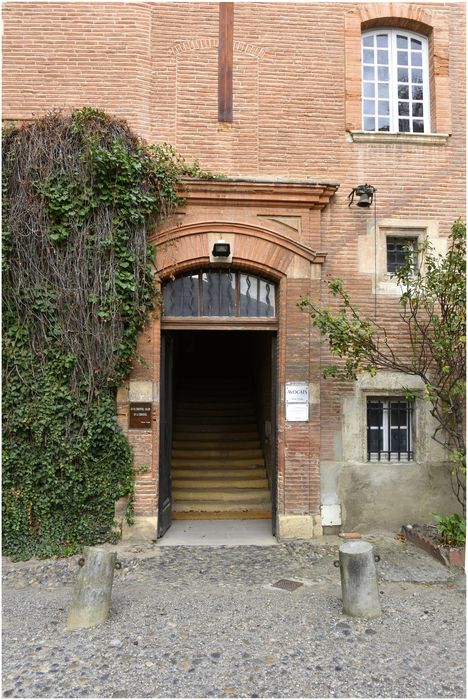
433, 320
451, 529
81, 193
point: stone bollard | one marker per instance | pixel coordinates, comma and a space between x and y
92, 595
359, 579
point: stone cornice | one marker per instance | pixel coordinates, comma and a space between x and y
274, 193
391, 138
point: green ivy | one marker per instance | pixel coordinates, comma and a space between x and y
81, 192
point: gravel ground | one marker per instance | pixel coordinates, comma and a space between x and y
208, 622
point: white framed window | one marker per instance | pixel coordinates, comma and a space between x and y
395, 81
389, 429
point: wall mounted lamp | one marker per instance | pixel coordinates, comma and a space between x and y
221, 249
365, 194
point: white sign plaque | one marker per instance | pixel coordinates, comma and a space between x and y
297, 401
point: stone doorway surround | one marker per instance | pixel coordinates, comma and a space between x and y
274, 228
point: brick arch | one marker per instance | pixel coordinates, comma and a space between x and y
255, 248
201, 44
194, 45
412, 17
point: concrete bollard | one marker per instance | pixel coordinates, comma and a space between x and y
359, 579
92, 594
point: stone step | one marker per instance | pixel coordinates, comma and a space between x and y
224, 427
217, 418
220, 507
217, 463
224, 444
222, 495
209, 472
250, 514
224, 482
216, 437
214, 404
219, 453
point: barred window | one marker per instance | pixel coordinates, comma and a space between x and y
395, 81
399, 249
389, 429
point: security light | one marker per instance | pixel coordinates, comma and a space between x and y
221, 249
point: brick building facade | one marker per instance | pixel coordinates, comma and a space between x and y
325, 97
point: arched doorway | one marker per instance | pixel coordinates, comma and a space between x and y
218, 397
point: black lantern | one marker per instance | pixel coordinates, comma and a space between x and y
221, 249
365, 194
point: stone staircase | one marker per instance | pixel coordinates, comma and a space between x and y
218, 469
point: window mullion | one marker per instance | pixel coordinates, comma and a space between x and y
393, 79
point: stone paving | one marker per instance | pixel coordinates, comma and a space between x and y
208, 622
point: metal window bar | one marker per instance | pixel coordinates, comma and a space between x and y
389, 430
398, 251
218, 293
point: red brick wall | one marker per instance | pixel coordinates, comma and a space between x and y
294, 95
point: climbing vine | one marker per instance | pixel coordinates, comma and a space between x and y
80, 194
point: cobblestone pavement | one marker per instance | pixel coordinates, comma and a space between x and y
208, 622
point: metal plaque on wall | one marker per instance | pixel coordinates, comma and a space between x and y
140, 415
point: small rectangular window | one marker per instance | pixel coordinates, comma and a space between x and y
389, 429
399, 248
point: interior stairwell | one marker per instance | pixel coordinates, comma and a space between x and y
218, 467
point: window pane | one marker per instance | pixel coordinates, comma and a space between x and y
383, 90
181, 296
374, 414
382, 73
368, 40
369, 124
415, 44
266, 305
416, 75
368, 56
382, 40
402, 75
417, 109
402, 42
403, 92
382, 57
368, 73
218, 293
369, 107
417, 92
384, 124
403, 125
399, 441
416, 58
402, 57
418, 126
374, 441
369, 90
398, 250
398, 413
403, 109
384, 108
